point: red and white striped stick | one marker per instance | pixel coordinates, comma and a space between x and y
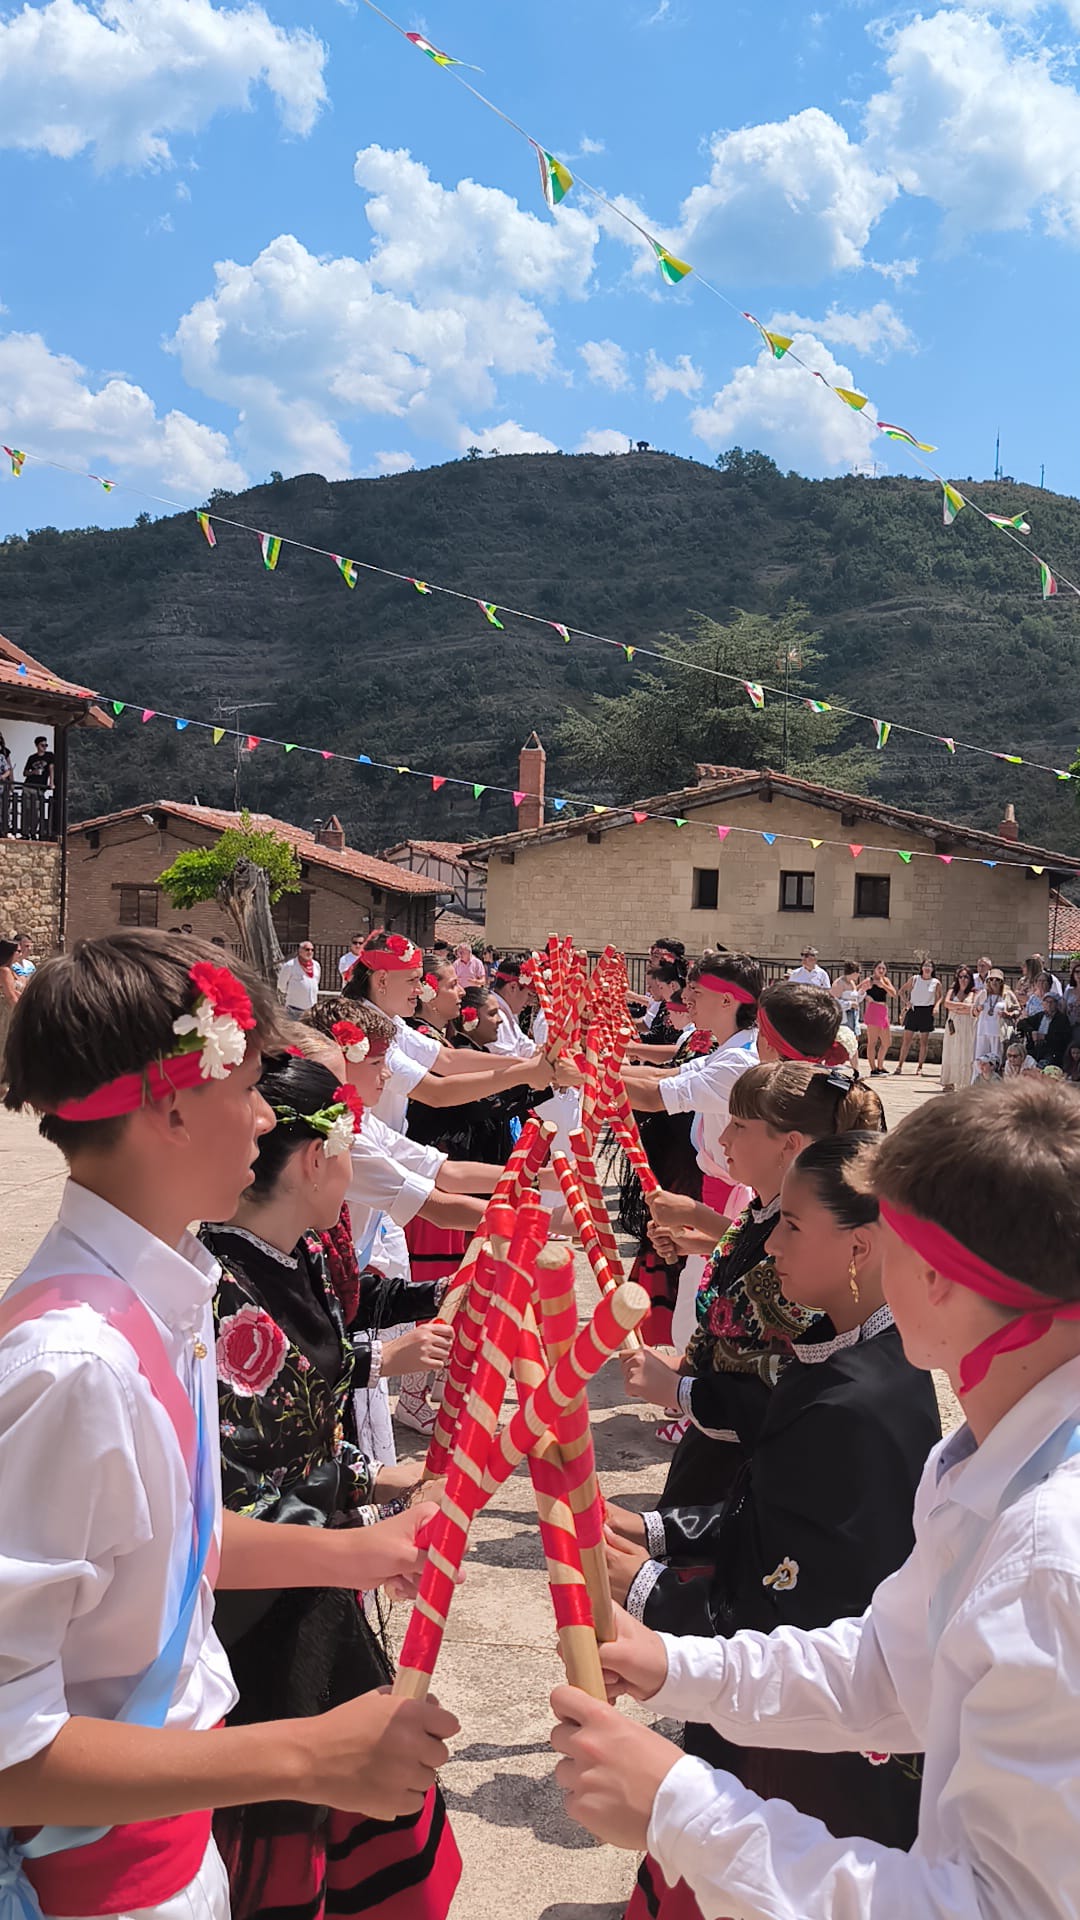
570, 1591
573, 1432
594, 1199
449, 1532
586, 1230
616, 1316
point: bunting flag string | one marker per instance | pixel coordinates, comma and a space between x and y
882, 729
557, 182
271, 545
17, 458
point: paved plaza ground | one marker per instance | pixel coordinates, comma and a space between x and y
522, 1857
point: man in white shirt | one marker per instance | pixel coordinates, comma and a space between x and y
142, 1056
348, 960
512, 995
970, 1653
809, 974
298, 981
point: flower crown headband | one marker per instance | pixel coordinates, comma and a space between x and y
355, 1044
396, 955
336, 1125
211, 1041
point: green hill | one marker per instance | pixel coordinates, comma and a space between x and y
943, 628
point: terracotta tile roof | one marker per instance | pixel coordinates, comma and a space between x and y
435, 849
1064, 931
736, 782
19, 669
359, 866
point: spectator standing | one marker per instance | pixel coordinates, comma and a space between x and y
10, 989
924, 993
491, 963
348, 960
993, 1007
879, 991
38, 781
958, 1044
982, 972
848, 990
470, 970
1072, 995
7, 790
22, 966
809, 974
298, 981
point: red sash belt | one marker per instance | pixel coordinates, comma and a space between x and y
130, 1868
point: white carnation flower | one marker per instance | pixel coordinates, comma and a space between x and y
340, 1137
426, 993
358, 1050
223, 1042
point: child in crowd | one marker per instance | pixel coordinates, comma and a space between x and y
142, 1056
970, 1653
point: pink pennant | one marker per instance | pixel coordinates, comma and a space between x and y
722, 832
853, 850
251, 743
640, 818
326, 753
437, 780
518, 796
148, 714
946, 859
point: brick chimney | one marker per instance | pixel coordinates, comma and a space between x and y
1009, 829
532, 765
330, 833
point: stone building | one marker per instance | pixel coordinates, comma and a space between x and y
33, 819
114, 863
771, 864
461, 880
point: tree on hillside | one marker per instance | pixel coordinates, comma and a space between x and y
246, 872
649, 738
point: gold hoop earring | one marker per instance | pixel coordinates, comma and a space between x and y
853, 1283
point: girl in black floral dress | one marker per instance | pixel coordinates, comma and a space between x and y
286, 1374
821, 1511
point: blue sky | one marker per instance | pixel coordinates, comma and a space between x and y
237, 239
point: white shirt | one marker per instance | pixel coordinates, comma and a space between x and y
392, 1176
410, 1058
703, 1086
95, 1500
299, 989
809, 977
509, 1039
969, 1654
346, 964
924, 992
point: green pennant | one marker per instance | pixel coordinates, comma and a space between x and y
680, 823
291, 748
905, 857
118, 706
477, 791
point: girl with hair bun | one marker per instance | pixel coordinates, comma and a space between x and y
822, 1508
290, 1457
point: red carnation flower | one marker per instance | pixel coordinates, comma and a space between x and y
297, 1052
348, 1097
224, 992
251, 1350
398, 944
469, 1016
431, 981
347, 1033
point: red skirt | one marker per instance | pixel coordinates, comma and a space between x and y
434, 1252
653, 1899
407, 1869
661, 1283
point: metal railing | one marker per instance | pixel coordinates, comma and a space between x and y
26, 812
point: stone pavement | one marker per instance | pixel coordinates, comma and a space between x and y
499, 1662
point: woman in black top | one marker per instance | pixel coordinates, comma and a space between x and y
289, 1457
820, 1512
745, 1326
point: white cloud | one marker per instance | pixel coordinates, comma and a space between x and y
794, 195
877, 330
507, 438
587, 146
979, 123
419, 331
183, 191
606, 363
49, 402
399, 462
121, 76
603, 440
661, 378
774, 405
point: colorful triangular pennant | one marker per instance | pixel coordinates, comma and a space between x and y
118, 706
1047, 580
901, 433
421, 586
680, 823
181, 724
722, 832
148, 714
558, 805
17, 458
905, 857
857, 401
882, 729
555, 179
437, 780
563, 632
672, 270
1016, 523
952, 503
270, 548
346, 568
518, 796
490, 613
219, 735
477, 790
777, 343
640, 819
769, 839
756, 692
854, 849
204, 522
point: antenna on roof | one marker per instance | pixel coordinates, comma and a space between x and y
997, 456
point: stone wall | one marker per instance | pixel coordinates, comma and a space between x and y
30, 892
634, 882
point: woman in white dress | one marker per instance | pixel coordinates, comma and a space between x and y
994, 1006
958, 1044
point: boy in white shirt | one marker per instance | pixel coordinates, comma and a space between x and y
141, 1054
971, 1652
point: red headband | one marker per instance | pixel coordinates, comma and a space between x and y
397, 956
213, 1040
836, 1056
1036, 1311
713, 983
348, 1035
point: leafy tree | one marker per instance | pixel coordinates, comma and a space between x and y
246, 871
649, 738
472, 453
